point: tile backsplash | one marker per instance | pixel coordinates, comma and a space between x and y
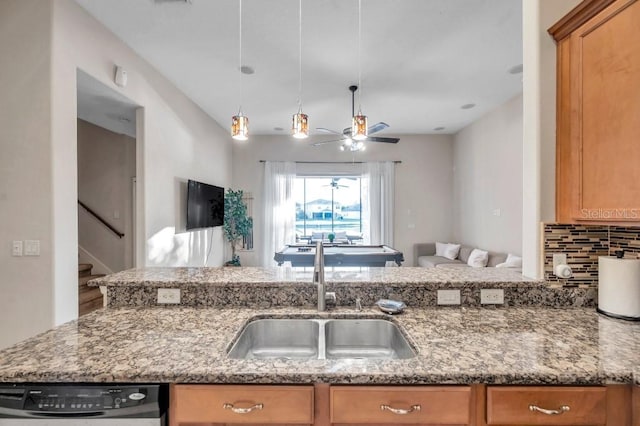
583, 244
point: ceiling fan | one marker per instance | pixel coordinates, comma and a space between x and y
335, 185
348, 144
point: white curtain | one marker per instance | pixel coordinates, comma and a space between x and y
279, 208
378, 187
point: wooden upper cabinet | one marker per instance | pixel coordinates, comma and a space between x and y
598, 114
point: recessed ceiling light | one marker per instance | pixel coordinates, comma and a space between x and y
467, 106
517, 69
247, 69
437, 129
278, 129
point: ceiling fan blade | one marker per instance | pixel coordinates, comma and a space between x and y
377, 127
379, 139
326, 142
325, 130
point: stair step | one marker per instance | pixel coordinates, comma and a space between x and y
90, 306
83, 280
84, 269
87, 294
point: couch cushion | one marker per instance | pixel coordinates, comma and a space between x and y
496, 258
433, 261
478, 258
465, 251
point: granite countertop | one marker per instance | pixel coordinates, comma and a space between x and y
454, 345
441, 277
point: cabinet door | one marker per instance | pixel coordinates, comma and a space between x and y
432, 405
241, 404
546, 405
605, 115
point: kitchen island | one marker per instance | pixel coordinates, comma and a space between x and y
453, 345
488, 359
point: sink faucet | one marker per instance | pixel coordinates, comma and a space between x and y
318, 276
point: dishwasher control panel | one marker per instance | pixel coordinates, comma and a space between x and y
77, 399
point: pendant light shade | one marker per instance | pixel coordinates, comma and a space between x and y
300, 128
240, 127
359, 127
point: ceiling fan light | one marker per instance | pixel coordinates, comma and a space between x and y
240, 127
300, 127
359, 127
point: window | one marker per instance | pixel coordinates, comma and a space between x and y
328, 205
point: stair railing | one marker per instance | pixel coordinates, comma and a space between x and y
100, 219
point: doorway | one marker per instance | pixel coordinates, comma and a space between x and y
106, 165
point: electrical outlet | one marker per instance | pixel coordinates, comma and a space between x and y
168, 295
559, 259
16, 248
448, 297
491, 296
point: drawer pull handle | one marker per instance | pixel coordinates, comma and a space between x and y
239, 410
563, 409
400, 411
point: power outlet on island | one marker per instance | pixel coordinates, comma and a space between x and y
448, 297
491, 296
168, 295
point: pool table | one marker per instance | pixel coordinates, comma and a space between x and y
339, 255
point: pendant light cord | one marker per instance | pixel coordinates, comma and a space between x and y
359, 56
240, 53
300, 56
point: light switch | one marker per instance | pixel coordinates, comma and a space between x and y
32, 247
16, 248
116, 214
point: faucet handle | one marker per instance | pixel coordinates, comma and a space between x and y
330, 296
358, 304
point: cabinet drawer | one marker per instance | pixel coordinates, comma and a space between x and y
243, 404
443, 405
510, 405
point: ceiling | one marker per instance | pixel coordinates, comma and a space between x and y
421, 59
104, 107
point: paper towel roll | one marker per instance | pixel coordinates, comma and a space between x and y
619, 287
563, 271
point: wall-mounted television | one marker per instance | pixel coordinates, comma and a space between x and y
205, 205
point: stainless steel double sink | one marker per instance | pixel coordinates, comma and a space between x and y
306, 339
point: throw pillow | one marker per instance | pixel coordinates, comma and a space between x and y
478, 258
440, 248
514, 261
451, 251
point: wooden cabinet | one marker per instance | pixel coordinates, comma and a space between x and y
241, 404
428, 405
341, 405
546, 405
598, 113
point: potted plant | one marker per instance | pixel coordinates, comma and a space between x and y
331, 237
237, 224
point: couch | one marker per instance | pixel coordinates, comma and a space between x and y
425, 256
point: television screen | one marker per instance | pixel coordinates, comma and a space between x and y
205, 205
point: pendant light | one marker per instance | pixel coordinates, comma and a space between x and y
300, 127
240, 122
359, 122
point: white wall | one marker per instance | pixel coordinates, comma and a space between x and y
47, 41
106, 166
488, 177
26, 293
539, 124
423, 181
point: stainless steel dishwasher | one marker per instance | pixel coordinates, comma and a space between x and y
82, 405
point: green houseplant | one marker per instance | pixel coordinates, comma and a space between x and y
236, 222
